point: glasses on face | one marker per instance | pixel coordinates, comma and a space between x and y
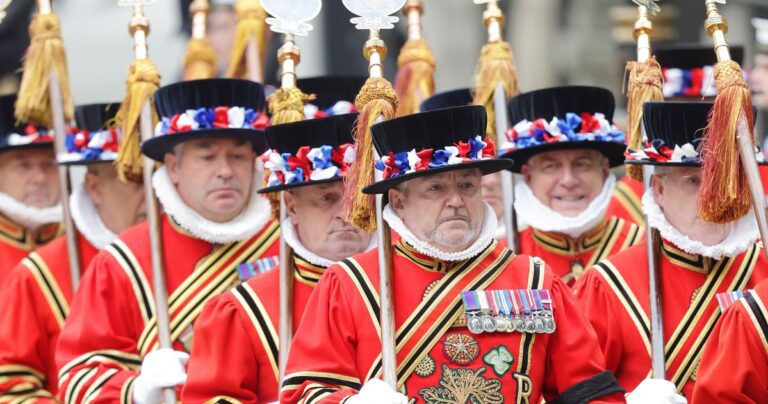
687, 183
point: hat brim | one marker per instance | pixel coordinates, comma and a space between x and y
38, 145
489, 166
84, 162
614, 151
157, 147
278, 188
674, 164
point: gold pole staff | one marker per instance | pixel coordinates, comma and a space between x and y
137, 117
287, 105
376, 101
44, 99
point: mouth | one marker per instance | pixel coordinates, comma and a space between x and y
569, 199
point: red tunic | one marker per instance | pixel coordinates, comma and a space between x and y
569, 258
112, 325
337, 346
16, 242
614, 297
35, 302
626, 201
734, 366
241, 365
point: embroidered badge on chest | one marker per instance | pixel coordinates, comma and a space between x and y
460, 348
500, 359
464, 386
426, 367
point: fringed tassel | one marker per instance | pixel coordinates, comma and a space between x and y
644, 85
376, 100
251, 23
415, 80
724, 194
286, 105
200, 61
45, 54
496, 64
143, 80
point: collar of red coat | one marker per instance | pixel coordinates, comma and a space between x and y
305, 272
426, 262
16, 235
566, 245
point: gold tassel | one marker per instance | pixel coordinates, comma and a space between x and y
415, 80
724, 194
496, 65
251, 23
45, 54
376, 99
644, 85
286, 105
143, 80
200, 61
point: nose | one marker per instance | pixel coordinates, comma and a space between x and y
454, 199
225, 170
568, 179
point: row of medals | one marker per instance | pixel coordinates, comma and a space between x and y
538, 322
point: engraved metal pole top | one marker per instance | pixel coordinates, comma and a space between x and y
644, 28
717, 27
375, 15
288, 17
493, 19
199, 10
138, 26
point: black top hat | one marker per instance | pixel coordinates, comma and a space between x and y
309, 152
209, 108
583, 121
688, 69
453, 98
674, 131
334, 95
96, 138
431, 142
15, 135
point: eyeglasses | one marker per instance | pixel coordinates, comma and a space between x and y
686, 183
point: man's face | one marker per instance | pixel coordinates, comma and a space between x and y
566, 181
676, 191
30, 176
318, 214
213, 176
492, 195
759, 81
446, 210
120, 205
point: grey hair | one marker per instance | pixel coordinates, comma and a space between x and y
177, 149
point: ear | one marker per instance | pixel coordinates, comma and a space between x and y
606, 167
397, 201
525, 171
657, 185
290, 206
92, 187
172, 165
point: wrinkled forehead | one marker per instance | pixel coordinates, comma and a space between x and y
453, 175
309, 191
565, 156
677, 172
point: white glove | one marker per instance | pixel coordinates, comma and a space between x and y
160, 369
655, 391
375, 391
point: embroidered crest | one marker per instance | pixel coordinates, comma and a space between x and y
461, 386
426, 367
460, 348
500, 359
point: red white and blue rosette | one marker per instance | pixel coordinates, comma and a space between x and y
397, 164
307, 166
221, 117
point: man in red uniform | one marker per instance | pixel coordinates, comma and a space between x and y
36, 296
563, 144
213, 221
30, 215
241, 365
527, 339
697, 260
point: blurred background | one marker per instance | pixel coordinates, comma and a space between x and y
555, 42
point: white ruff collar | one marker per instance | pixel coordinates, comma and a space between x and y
288, 232
483, 241
88, 220
29, 217
542, 217
249, 222
743, 233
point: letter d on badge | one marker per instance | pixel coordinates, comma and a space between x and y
524, 387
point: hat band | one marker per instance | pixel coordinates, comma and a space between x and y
31, 135
308, 164
91, 145
658, 151
312, 111
401, 163
212, 118
573, 128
